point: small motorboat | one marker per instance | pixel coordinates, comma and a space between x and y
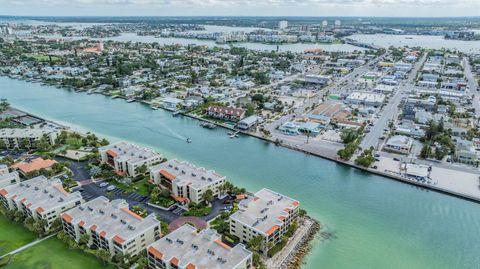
189, 140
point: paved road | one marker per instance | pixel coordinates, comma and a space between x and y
349, 79
390, 111
472, 84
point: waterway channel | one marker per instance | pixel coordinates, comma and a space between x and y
374, 222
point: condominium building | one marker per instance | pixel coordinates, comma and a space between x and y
268, 214
185, 248
125, 158
7, 177
111, 225
185, 181
26, 137
39, 198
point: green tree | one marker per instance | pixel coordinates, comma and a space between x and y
207, 196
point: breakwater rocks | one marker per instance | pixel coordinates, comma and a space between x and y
295, 258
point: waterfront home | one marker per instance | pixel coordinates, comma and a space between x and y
126, 158
110, 225
29, 166
185, 181
39, 198
188, 248
289, 128
249, 122
26, 137
398, 144
268, 214
226, 113
465, 152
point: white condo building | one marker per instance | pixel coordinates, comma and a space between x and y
186, 248
268, 214
125, 158
111, 225
39, 198
186, 181
26, 137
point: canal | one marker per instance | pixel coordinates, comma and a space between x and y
373, 222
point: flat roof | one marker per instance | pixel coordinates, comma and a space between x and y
129, 152
40, 193
191, 249
185, 173
264, 211
24, 132
111, 219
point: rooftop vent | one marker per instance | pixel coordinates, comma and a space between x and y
90, 208
168, 240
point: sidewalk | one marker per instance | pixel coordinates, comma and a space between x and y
22, 248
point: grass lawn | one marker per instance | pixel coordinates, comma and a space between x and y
73, 142
140, 187
54, 254
13, 235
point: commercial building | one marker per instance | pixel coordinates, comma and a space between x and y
226, 113
110, 225
365, 98
125, 158
326, 112
39, 198
318, 79
26, 137
268, 214
398, 144
186, 248
185, 181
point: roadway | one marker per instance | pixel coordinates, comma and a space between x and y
390, 111
472, 85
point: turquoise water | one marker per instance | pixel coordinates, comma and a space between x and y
375, 222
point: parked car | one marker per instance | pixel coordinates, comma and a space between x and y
110, 188
396, 159
103, 185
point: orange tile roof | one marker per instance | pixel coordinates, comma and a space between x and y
93, 228
132, 213
272, 229
112, 153
3, 192
67, 217
286, 209
14, 197
34, 165
179, 198
155, 252
225, 246
191, 266
23, 200
103, 234
118, 239
281, 218
295, 204
167, 175
174, 261
120, 173
81, 223
240, 196
40, 210
29, 205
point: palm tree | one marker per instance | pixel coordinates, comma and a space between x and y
207, 196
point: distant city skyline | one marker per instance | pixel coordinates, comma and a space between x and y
381, 8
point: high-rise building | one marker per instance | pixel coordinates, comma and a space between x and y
282, 25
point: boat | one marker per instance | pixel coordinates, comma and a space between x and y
176, 113
208, 125
189, 140
154, 107
130, 100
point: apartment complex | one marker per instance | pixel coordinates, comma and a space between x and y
125, 158
226, 113
185, 181
111, 225
268, 214
6, 177
26, 137
39, 198
185, 248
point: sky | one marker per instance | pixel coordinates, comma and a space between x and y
382, 8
